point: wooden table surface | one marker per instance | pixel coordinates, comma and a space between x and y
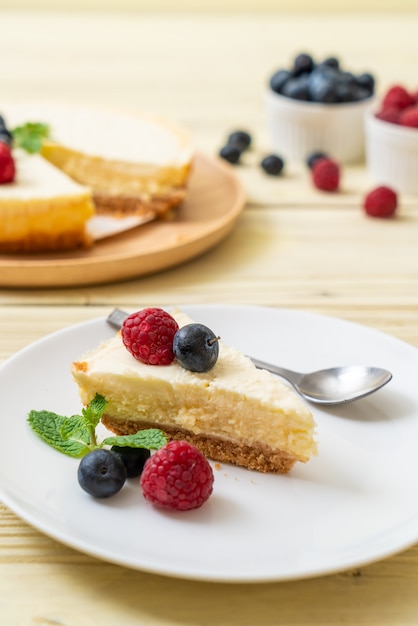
292, 247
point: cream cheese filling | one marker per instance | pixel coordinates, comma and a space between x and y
38, 179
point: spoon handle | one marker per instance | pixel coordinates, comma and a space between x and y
116, 318
292, 377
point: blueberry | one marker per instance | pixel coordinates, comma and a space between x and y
133, 459
278, 80
366, 81
3, 125
314, 156
196, 347
240, 139
5, 137
362, 93
302, 64
297, 88
232, 154
323, 83
331, 62
5, 134
346, 92
347, 78
272, 164
101, 473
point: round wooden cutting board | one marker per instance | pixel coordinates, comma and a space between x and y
214, 203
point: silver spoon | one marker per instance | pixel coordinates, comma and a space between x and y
335, 385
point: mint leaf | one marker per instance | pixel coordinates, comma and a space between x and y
49, 426
30, 136
92, 414
152, 439
75, 428
76, 435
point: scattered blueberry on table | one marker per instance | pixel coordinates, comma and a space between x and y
232, 154
314, 156
272, 164
238, 141
241, 139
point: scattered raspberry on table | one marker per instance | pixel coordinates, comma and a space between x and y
381, 202
326, 174
178, 476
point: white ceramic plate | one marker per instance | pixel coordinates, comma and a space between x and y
103, 226
355, 503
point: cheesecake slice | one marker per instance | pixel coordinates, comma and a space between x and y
234, 413
43, 209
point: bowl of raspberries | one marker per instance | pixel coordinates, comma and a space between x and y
392, 140
317, 105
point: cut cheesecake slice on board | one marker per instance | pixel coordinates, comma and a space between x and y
43, 209
234, 413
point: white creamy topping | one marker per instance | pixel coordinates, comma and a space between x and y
233, 371
36, 178
107, 134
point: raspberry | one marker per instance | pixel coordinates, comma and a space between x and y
326, 174
409, 117
148, 335
389, 114
399, 97
177, 477
381, 202
7, 164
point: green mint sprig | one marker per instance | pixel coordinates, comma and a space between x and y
30, 136
76, 435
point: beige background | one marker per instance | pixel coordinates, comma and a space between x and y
217, 5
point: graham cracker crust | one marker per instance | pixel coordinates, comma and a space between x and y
123, 205
251, 457
48, 242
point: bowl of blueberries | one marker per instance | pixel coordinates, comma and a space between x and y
318, 106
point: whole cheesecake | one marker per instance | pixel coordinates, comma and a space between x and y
128, 164
235, 413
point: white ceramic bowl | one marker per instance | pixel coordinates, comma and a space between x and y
392, 154
297, 128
